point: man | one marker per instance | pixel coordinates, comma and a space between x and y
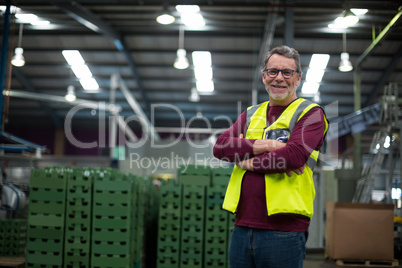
275, 146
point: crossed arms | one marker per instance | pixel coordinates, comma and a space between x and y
269, 156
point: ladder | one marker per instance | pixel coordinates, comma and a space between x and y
391, 122
365, 184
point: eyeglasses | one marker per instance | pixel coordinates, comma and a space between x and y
286, 73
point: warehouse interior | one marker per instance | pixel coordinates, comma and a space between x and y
109, 163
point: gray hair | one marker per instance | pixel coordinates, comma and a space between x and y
284, 51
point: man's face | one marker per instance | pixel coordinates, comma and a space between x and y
281, 91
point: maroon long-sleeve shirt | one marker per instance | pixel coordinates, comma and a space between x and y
307, 135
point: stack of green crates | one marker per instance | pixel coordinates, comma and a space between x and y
3, 228
12, 237
169, 226
192, 231
194, 179
112, 220
193, 228
78, 219
46, 217
138, 218
82, 217
216, 220
151, 213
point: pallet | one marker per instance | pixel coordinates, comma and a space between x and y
12, 262
368, 263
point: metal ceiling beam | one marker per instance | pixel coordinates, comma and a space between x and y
289, 23
3, 56
28, 85
117, 82
102, 106
96, 24
266, 43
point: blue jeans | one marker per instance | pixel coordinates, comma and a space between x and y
260, 248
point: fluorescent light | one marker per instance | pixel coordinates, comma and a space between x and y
344, 22
201, 58
27, 18
73, 57
89, 84
205, 85
193, 20
203, 73
188, 8
359, 11
310, 87
314, 75
40, 22
337, 26
319, 61
13, 9
190, 15
81, 71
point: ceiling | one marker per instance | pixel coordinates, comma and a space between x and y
236, 32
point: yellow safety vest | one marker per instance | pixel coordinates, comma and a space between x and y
284, 194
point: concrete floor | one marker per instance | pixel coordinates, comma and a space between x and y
317, 260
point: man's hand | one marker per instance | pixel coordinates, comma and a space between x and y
246, 164
298, 171
262, 146
268, 145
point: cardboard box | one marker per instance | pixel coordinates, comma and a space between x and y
359, 231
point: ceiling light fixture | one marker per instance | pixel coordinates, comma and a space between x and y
317, 98
194, 96
359, 11
165, 17
18, 59
181, 61
345, 65
348, 19
70, 96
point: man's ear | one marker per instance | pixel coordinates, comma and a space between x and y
299, 80
263, 77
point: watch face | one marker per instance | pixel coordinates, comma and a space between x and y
281, 135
